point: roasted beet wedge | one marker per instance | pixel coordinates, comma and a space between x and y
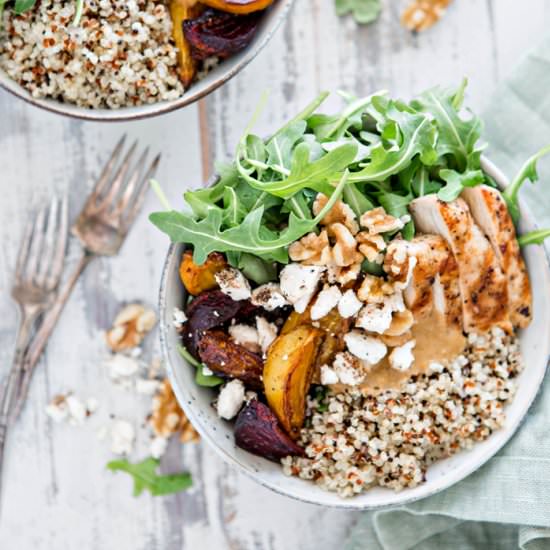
210, 309
219, 34
220, 354
257, 431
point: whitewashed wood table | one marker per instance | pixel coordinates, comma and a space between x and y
57, 494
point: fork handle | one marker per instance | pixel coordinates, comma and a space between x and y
44, 332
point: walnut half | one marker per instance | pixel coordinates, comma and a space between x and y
130, 326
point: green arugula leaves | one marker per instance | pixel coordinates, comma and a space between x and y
377, 151
363, 11
145, 476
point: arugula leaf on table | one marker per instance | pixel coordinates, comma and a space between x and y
456, 136
206, 235
145, 476
527, 171
364, 11
455, 182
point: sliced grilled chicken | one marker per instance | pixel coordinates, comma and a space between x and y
491, 214
434, 280
483, 285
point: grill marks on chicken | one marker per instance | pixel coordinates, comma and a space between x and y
483, 285
491, 214
434, 283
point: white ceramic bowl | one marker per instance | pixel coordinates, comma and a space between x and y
196, 401
218, 76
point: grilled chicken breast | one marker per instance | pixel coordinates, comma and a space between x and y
483, 285
491, 214
433, 283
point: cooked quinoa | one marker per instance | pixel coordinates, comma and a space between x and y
122, 54
390, 439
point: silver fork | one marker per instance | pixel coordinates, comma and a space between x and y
37, 274
101, 228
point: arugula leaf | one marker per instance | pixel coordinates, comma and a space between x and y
527, 171
455, 136
279, 149
253, 268
303, 173
21, 6
206, 235
417, 137
538, 236
422, 185
456, 182
397, 206
364, 11
145, 477
207, 381
356, 199
200, 378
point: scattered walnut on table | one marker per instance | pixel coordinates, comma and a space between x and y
167, 417
420, 15
130, 326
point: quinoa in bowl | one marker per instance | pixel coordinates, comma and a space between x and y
116, 60
356, 301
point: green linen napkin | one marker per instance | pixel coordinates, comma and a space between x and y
505, 504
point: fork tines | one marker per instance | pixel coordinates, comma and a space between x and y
122, 186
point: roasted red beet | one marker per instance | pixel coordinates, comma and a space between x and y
257, 431
220, 34
211, 309
226, 358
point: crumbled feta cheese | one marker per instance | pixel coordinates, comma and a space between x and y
121, 366
122, 437
268, 296
325, 302
328, 376
348, 369
349, 305
206, 371
365, 347
179, 317
158, 446
57, 409
267, 332
146, 386
374, 318
233, 283
245, 336
230, 399
299, 283
401, 358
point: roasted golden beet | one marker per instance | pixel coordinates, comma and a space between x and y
220, 354
287, 376
238, 6
257, 431
219, 34
180, 11
333, 325
198, 278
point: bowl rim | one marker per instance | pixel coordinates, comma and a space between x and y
347, 504
275, 16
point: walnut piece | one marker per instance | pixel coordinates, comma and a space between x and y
344, 275
339, 213
371, 246
378, 221
420, 15
167, 417
130, 326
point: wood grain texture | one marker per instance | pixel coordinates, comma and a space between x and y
57, 494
